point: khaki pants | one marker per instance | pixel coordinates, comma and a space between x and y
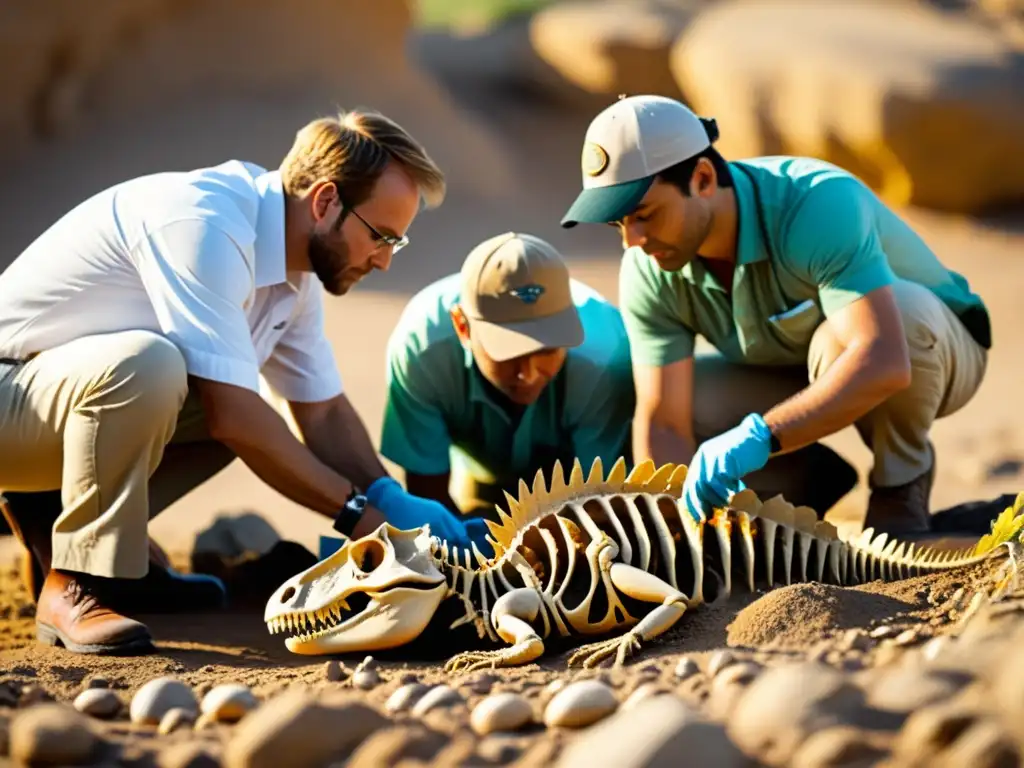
107, 421
947, 366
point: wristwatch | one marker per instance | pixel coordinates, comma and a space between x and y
350, 514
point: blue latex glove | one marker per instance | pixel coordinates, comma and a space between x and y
403, 510
720, 464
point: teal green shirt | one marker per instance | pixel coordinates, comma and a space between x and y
827, 240
439, 407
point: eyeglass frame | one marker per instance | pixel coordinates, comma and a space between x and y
396, 242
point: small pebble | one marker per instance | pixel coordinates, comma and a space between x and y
228, 702
334, 671
51, 734
405, 696
686, 667
719, 661
97, 702
906, 637
174, 719
366, 679
407, 678
501, 712
96, 681
438, 696
482, 684
643, 692
187, 755
879, 633
579, 704
554, 687
152, 701
931, 650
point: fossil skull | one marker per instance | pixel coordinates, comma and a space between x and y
376, 592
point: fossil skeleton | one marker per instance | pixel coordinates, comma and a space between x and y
584, 558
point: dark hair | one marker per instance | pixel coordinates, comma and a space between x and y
681, 173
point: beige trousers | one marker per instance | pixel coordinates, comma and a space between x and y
108, 422
947, 367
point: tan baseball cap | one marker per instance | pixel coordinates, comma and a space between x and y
626, 145
516, 296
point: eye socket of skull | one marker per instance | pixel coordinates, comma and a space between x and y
367, 555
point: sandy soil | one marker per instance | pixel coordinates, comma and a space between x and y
979, 448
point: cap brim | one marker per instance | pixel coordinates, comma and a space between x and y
509, 340
601, 205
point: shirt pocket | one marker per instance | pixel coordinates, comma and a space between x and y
795, 327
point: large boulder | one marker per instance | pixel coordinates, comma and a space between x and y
75, 68
924, 105
613, 46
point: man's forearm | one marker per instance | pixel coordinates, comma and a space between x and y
261, 438
336, 435
660, 443
851, 387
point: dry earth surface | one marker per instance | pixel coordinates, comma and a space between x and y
116, 97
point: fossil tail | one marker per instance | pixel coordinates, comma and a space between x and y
777, 543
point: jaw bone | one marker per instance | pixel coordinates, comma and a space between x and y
376, 592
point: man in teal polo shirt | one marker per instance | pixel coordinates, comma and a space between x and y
825, 308
501, 370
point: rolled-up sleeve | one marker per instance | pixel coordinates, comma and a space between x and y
302, 367
198, 280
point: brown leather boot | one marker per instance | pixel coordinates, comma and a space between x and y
69, 612
902, 509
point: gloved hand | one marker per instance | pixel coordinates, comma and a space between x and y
403, 510
719, 465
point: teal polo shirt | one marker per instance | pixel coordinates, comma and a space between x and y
440, 411
812, 238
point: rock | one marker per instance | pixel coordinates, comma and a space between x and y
930, 730
686, 667
501, 712
366, 679
408, 744
405, 697
438, 696
554, 687
853, 640
720, 660
883, 631
643, 692
579, 704
296, 730
152, 701
482, 684
174, 719
931, 650
52, 734
903, 83
727, 687
984, 745
228, 703
187, 755
785, 704
96, 681
839, 746
97, 702
660, 732
334, 671
612, 46
907, 637
907, 689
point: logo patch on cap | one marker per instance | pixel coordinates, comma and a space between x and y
595, 159
528, 294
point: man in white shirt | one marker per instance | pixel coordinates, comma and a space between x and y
134, 333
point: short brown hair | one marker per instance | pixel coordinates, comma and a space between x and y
353, 149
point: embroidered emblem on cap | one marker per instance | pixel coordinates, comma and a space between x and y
595, 159
528, 294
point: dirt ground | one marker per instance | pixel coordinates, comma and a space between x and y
980, 449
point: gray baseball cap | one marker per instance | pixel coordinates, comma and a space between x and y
625, 146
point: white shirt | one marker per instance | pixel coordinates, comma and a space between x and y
196, 256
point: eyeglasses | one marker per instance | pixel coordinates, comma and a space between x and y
397, 243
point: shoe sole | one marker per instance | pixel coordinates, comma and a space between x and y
48, 635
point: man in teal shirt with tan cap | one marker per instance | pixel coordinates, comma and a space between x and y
825, 308
501, 370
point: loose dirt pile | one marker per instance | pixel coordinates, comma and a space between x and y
883, 672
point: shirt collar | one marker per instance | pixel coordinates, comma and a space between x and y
270, 245
750, 245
